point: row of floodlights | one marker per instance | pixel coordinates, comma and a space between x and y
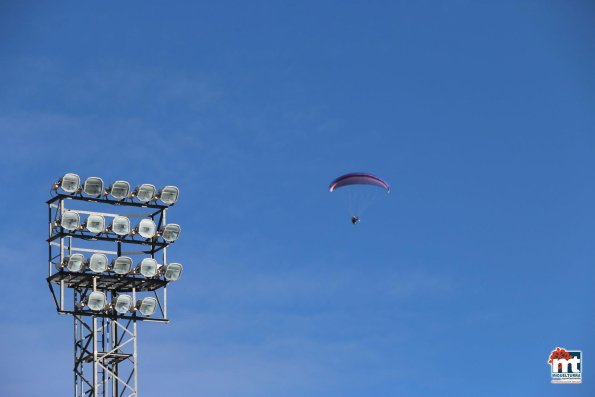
120, 225
122, 265
119, 190
122, 304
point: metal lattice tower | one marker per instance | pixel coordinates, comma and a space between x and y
107, 299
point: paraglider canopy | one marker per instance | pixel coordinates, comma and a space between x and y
356, 194
358, 178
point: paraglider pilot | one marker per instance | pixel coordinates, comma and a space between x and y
354, 219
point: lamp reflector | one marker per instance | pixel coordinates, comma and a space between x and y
120, 225
169, 195
119, 190
70, 183
122, 265
145, 192
93, 186
95, 224
173, 271
73, 263
96, 300
123, 303
148, 267
97, 263
70, 220
147, 306
171, 232
146, 228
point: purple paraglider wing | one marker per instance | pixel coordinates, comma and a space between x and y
358, 178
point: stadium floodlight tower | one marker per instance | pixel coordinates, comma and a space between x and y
105, 271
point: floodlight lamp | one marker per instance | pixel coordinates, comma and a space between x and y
73, 263
119, 190
70, 221
96, 301
95, 224
97, 263
170, 232
120, 225
69, 183
146, 228
144, 193
121, 265
168, 195
93, 186
173, 271
148, 267
147, 306
122, 304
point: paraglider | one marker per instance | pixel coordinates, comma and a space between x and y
353, 179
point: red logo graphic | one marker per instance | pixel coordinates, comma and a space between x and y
559, 354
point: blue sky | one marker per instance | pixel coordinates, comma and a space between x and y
479, 114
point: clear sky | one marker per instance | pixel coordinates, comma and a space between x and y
480, 114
